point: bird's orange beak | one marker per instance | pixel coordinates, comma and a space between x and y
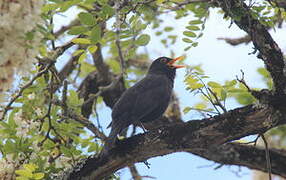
171, 63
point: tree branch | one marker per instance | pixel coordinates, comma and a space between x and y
268, 49
85, 122
39, 74
245, 155
236, 41
192, 136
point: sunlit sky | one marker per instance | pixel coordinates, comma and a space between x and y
221, 62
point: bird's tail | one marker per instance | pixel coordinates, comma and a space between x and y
110, 141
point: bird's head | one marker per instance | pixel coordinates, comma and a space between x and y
165, 65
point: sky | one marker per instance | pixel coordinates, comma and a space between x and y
221, 62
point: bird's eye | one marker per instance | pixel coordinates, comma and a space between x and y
164, 60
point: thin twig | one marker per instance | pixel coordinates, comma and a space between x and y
267, 156
97, 119
134, 172
39, 74
242, 81
117, 41
48, 115
217, 101
52, 32
210, 99
64, 99
203, 110
82, 120
208, 95
181, 4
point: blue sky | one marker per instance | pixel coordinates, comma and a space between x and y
221, 62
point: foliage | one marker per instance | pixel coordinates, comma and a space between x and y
38, 137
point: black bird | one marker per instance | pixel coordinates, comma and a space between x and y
146, 101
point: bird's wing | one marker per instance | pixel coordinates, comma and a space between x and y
146, 100
153, 99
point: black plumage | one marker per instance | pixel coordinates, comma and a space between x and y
147, 100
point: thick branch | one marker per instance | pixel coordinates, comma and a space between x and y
268, 49
245, 155
192, 136
101, 67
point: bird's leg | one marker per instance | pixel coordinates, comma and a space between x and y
142, 126
147, 164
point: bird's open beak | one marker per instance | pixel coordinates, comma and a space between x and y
176, 59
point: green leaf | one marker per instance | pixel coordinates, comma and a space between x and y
192, 83
195, 44
201, 106
67, 152
95, 35
24, 173
73, 99
29, 35
31, 167
38, 176
236, 90
158, 2
93, 148
78, 52
187, 48
200, 35
230, 83
214, 84
164, 41
86, 68
158, 33
186, 110
203, 77
87, 18
11, 121
49, 7
82, 58
22, 178
77, 30
143, 40
168, 28
196, 86
223, 94
92, 49
193, 28
195, 22
189, 34
133, 18
4, 124
81, 41
263, 72
187, 40
108, 10
245, 98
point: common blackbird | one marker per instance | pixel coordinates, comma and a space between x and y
146, 101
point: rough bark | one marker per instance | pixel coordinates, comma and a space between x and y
211, 137
246, 155
268, 49
192, 136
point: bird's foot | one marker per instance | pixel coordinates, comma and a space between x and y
147, 164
